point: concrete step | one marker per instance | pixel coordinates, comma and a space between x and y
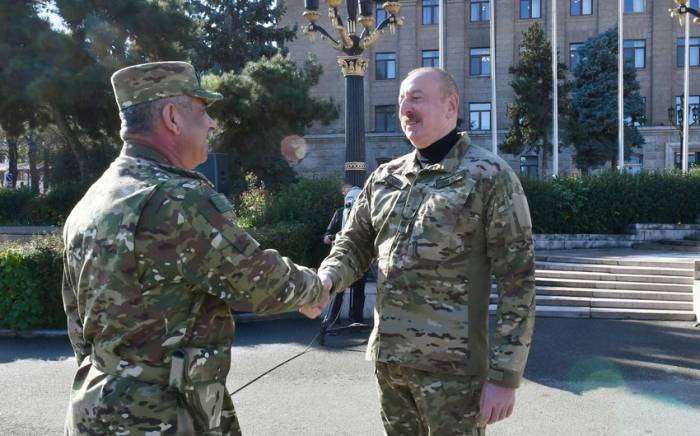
615, 269
612, 284
694, 237
681, 242
624, 303
667, 247
594, 312
586, 275
614, 293
666, 315
615, 261
556, 311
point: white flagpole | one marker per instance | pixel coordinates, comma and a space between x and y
686, 97
620, 90
492, 53
441, 34
555, 94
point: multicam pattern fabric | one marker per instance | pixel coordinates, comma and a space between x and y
415, 402
153, 265
155, 80
438, 234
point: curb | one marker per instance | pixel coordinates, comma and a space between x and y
31, 334
241, 318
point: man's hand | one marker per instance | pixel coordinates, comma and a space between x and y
327, 240
327, 284
496, 403
313, 311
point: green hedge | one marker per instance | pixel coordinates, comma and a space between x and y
30, 284
293, 219
610, 202
23, 207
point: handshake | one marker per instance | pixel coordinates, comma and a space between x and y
314, 310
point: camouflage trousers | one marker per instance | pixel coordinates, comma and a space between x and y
102, 404
415, 402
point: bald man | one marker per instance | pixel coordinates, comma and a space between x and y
441, 221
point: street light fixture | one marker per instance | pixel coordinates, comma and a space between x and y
353, 66
675, 118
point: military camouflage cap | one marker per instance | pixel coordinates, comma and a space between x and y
147, 82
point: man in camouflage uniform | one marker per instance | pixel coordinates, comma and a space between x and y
154, 263
440, 221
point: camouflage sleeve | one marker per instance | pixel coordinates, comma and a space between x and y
81, 347
353, 250
220, 258
509, 246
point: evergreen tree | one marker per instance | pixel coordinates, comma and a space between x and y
19, 23
592, 125
58, 75
531, 110
233, 32
268, 101
61, 73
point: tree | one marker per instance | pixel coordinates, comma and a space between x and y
268, 101
233, 32
531, 110
18, 24
592, 124
65, 69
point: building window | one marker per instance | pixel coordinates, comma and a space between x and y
694, 52
693, 159
635, 6
431, 58
381, 13
479, 116
385, 118
480, 61
635, 52
530, 9
430, 11
574, 55
581, 7
480, 10
385, 66
693, 106
528, 167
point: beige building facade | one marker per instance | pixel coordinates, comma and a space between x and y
653, 42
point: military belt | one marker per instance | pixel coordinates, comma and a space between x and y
197, 373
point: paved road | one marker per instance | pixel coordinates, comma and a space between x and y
585, 377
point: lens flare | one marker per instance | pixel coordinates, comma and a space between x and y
294, 148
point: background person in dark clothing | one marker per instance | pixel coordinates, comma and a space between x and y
357, 301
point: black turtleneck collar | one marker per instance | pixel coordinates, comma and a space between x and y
437, 151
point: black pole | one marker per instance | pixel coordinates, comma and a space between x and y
355, 174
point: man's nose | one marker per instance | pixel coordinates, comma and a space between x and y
405, 108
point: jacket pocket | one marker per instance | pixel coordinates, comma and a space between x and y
435, 236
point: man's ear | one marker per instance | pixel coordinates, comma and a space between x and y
454, 104
171, 119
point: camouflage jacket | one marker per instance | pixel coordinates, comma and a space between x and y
438, 234
154, 262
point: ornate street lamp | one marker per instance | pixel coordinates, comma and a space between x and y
675, 118
683, 13
353, 66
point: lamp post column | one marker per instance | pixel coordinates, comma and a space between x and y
354, 68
